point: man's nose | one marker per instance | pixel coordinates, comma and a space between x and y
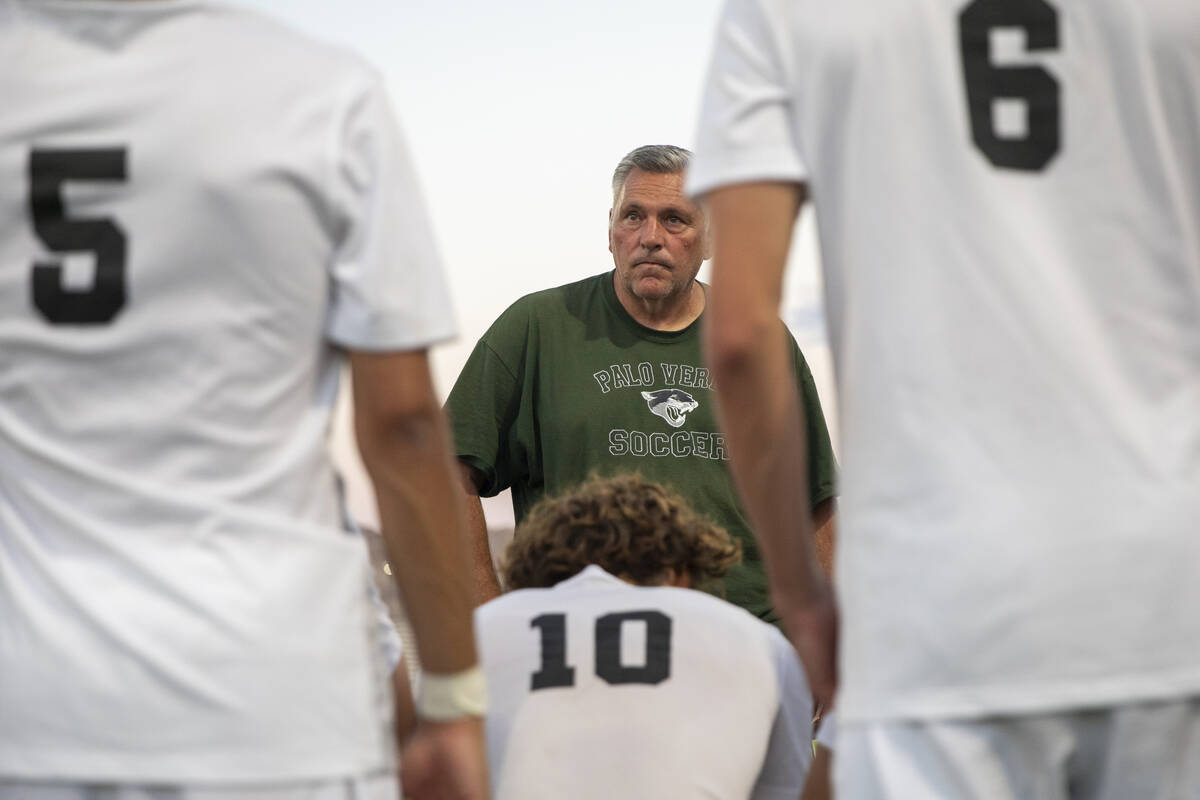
652, 233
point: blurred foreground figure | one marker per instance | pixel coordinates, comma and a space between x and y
1008, 194
610, 678
202, 214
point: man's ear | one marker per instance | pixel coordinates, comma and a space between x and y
610, 216
706, 236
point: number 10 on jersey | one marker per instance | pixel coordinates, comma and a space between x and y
554, 671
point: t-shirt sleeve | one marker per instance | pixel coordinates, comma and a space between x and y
789, 750
746, 132
822, 466
387, 290
482, 409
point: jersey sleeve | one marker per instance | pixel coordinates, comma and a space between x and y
789, 750
391, 646
745, 131
822, 466
387, 287
483, 409
827, 733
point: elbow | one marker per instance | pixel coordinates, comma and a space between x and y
397, 434
735, 343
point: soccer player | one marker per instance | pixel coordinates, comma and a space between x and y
203, 214
1008, 195
609, 677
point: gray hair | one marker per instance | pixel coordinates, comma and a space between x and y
661, 159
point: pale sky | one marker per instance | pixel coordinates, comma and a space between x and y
516, 114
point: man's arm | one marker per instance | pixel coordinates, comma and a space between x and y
485, 580
761, 410
405, 447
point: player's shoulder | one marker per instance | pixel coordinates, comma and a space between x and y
507, 604
718, 610
281, 47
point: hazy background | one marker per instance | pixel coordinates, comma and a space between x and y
516, 115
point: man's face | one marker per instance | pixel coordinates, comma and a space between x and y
658, 238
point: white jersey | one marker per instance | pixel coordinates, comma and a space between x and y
197, 208
1008, 199
601, 689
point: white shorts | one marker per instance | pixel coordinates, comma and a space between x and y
1134, 752
383, 786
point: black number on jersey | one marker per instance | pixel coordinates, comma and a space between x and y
658, 648
1034, 86
555, 672
48, 171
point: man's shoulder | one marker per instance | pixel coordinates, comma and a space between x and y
556, 298
569, 299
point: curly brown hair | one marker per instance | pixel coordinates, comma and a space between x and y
628, 526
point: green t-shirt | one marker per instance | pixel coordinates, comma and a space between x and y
566, 383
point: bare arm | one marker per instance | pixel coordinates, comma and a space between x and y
406, 449
405, 711
484, 579
762, 413
825, 539
402, 437
819, 783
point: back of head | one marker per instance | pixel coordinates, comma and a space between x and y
628, 526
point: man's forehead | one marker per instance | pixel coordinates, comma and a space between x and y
654, 188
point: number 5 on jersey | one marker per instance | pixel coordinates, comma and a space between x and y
48, 171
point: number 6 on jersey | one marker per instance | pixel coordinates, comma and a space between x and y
1033, 86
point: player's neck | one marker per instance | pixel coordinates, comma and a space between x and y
671, 313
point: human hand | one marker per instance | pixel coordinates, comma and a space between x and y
445, 761
812, 627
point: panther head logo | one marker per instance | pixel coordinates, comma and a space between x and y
672, 405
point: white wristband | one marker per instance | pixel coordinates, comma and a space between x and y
445, 697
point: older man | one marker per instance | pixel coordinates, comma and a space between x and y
606, 375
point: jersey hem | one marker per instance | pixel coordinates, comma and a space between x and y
73, 766
990, 701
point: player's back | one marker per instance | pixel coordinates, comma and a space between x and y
177, 192
601, 689
1008, 193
